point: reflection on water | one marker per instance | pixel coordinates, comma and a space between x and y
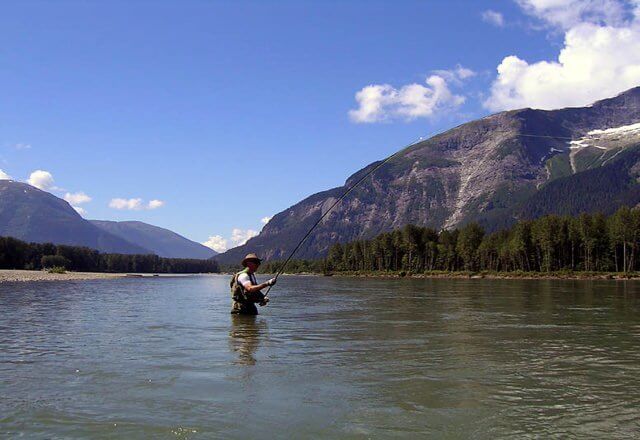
329, 358
245, 335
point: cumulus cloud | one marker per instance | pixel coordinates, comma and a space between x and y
600, 58
238, 237
80, 210
128, 204
134, 204
4, 176
241, 236
77, 198
265, 220
155, 204
566, 14
383, 102
493, 17
41, 179
217, 243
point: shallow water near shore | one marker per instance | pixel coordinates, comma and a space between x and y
328, 358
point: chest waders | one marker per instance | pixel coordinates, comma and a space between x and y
244, 303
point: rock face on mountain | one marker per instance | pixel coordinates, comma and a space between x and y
507, 166
32, 215
160, 241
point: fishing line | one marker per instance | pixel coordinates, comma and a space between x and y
351, 188
355, 185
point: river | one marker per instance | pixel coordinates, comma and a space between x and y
328, 358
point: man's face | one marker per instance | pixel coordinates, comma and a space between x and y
253, 265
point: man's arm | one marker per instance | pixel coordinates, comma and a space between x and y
251, 289
248, 287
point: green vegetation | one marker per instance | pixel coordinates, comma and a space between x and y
50, 261
559, 166
17, 254
589, 243
57, 269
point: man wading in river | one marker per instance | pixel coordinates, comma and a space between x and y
245, 290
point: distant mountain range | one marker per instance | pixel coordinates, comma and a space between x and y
160, 241
511, 165
33, 215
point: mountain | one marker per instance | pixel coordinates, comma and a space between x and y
160, 241
32, 215
511, 165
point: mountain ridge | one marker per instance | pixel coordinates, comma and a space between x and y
481, 170
161, 241
32, 215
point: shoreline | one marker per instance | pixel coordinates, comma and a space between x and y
565, 275
20, 275
25, 276
499, 275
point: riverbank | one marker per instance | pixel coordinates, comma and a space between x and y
13, 275
559, 275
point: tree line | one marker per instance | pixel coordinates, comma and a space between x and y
588, 242
17, 254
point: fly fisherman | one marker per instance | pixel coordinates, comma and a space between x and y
245, 290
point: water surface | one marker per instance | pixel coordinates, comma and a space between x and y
328, 358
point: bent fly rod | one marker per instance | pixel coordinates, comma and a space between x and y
345, 194
355, 185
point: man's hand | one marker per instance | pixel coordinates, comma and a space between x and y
271, 282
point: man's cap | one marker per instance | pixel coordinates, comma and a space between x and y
250, 257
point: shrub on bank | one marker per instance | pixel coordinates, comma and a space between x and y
57, 269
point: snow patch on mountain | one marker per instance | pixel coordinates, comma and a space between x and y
603, 135
606, 139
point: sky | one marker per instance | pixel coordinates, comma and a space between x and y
209, 117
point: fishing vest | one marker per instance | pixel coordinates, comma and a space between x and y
237, 289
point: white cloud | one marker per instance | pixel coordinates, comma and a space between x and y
4, 176
456, 75
41, 179
128, 204
566, 14
241, 236
265, 220
493, 17
217, 243
77, 198
135, 204
80, 210
238, 237
383, 102
21, 146
155, 204
597, 61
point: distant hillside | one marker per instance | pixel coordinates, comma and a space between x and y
160, 241
498, 169
32, 215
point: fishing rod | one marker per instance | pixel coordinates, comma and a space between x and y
351, 188
355, 185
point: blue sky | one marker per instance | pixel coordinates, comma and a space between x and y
224, 113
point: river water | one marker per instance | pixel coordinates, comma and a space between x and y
328, 358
